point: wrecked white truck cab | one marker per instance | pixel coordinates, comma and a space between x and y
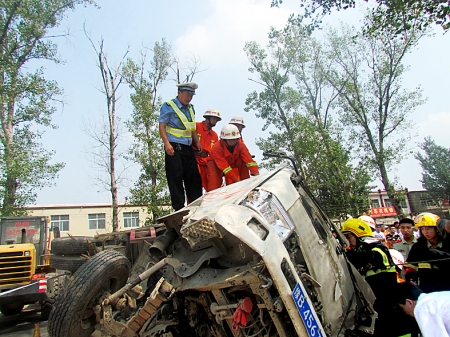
256, 258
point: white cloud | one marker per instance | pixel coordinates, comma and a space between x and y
219, 39
436, 126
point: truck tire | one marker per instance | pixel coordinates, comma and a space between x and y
72, 314
70, 245
70, 263
11, 309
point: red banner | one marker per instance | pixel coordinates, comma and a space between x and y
382, 211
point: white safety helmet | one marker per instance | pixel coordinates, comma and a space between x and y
237, 120
212, 113
398, 258
230, 131
368, 220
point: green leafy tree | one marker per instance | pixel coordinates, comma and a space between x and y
398, 16
436, 169
26, 98
368, 70
147, 149
301, 116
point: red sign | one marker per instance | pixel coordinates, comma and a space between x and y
379, 212
10, 232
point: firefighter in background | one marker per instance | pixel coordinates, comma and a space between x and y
238, 121
231, 159
207, 137
369, 220
373, 260
430, 255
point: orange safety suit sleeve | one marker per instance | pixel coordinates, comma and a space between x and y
207, 140
221, 157
246, 157
207, 137
214, 176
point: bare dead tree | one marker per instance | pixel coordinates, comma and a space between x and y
104, 154
185, 73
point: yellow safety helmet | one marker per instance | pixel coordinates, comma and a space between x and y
426, 220
358, 227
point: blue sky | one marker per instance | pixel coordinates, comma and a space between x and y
214, 32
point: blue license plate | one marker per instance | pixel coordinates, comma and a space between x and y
312, 325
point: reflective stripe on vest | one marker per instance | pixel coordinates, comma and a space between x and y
228, 169
189, 126
389, 268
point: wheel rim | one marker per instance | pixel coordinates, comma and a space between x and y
87, 316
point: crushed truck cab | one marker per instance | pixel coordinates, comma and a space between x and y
255, 258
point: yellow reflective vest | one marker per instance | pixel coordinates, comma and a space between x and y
189, 126
389, 268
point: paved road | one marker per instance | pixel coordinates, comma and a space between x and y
22, 325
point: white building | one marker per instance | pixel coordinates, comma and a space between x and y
90, 219
381, 208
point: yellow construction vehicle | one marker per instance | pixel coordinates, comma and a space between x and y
25, 273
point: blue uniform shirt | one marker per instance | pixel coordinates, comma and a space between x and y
169, 117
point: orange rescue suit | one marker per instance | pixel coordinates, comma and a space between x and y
207, 139
234, 166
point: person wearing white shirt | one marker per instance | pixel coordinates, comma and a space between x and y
378, 234
431, 311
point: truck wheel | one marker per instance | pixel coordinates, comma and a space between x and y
70, 245
70, 263
11, 308
72, 314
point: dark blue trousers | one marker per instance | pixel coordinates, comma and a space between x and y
182, 176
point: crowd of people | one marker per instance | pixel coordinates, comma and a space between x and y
408, 267
195, 157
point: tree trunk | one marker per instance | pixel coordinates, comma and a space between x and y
112, 146
9, 199
390, 190
111, 98
111, 82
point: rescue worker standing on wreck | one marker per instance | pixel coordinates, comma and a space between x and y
373, 260
178, 131
231, 158
207, 137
